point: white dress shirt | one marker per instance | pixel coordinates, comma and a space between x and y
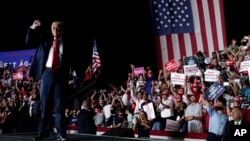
237, 122
49, 60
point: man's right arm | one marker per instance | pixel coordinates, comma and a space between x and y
208, 106
33, 34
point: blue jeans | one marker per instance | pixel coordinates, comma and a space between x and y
183, 126
156, 125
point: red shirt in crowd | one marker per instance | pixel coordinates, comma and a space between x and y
246, 114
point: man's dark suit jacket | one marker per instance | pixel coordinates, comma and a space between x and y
34, 39
85, 122
228, 130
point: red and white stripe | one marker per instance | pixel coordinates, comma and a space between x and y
209, 35
96, 62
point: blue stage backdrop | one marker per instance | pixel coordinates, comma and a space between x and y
14, 57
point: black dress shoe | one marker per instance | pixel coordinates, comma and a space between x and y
62, 138
38, 138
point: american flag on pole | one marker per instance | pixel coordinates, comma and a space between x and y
96, 62
184, 27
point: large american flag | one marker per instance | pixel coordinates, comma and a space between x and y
96, 62
184, 27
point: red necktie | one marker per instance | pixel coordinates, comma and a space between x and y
55, 57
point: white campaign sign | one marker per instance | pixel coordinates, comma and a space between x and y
149, 109
191, 69
177, 78
165, 113
171, 125
244, 66
211, 75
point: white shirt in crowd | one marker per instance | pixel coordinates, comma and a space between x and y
106, 110
137, 101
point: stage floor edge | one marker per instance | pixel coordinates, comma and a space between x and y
74, 137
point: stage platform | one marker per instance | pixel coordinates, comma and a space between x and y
73, 137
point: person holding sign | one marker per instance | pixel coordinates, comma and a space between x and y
166, 107
217, 119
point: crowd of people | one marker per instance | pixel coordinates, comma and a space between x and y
146, 101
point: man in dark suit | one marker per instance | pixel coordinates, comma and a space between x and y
54, 78
237, 123
85, 121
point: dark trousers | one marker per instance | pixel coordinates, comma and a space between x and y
51, 95
214, 137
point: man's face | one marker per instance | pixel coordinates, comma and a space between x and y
193, 98
97, 110
139, 94
145, 97
218, 103
57, 29
150, 74
236, 114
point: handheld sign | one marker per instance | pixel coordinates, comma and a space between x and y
214, 91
